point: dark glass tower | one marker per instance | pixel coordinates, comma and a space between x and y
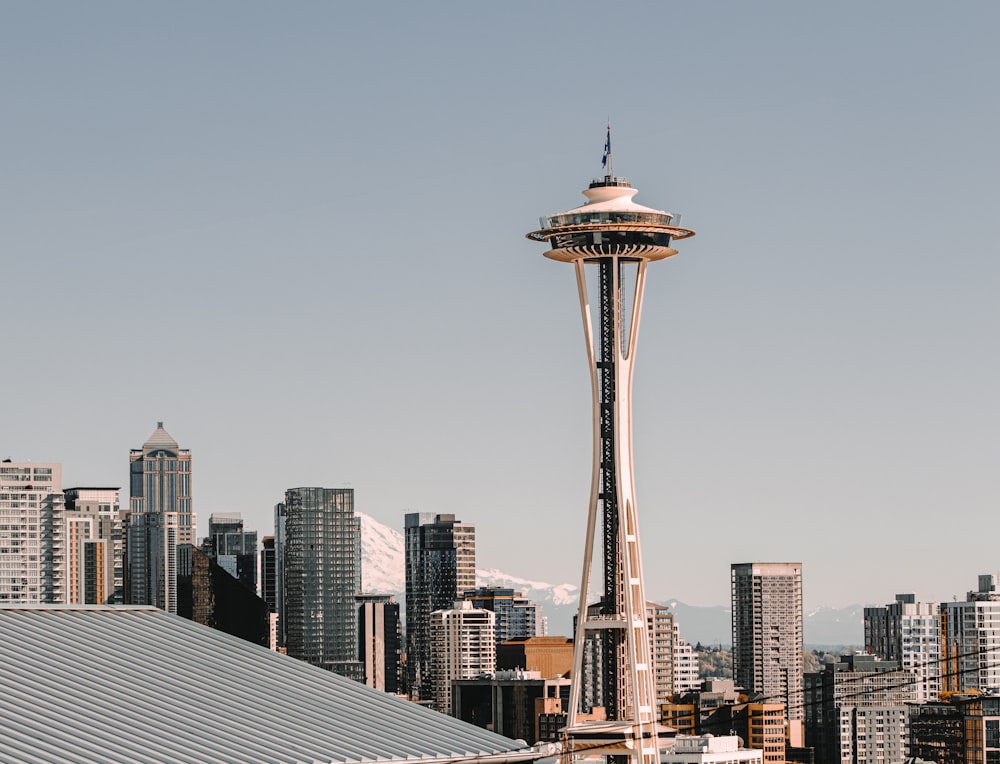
321, 577
440, 566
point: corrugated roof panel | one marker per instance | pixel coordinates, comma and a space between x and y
132, 685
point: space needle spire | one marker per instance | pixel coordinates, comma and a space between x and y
614, 239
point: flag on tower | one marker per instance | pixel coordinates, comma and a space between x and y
607, 149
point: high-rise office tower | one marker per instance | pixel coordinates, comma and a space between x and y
279, 569
909, 632
464, 646
971, 634
94, 546
767, 631
32, 533
380, 641
159, 519
268, 579
440, 565
517, 617
321, 578
234, 549
616, 238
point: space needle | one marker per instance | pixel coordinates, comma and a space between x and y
614, 239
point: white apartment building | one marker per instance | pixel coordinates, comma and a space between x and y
971, 632
464, 647
909, 632
687, 677
32, 533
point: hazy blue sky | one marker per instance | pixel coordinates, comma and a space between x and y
295, 233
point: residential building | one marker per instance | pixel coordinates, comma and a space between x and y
160, 517
856, 710
464, 647
660, 630
971, 634
909, 632
94, 547
32, 533
234, 549
380, 642
767, 631
937, 733
321, 577
687, 677
440, 565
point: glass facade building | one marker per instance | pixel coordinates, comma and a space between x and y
160, 518
321, 575
440, 566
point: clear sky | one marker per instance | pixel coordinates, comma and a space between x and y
294, 232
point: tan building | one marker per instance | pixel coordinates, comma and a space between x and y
549, 656
94, 546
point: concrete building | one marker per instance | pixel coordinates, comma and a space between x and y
857, 711
440, 564
380, 642
160, 517
321, 575
463, 647
710, 749
971, 634
32, 533
94, 547
909, 632
279, 569
767, 631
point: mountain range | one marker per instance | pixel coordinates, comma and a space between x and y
383, 570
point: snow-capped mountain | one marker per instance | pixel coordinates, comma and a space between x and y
383, 562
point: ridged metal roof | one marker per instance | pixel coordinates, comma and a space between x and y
136, 685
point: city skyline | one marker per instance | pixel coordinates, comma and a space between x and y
219, 191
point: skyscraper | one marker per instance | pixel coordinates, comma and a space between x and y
616, 238
767, 631
909, 632
517, 617
159, 519
321, 577
440, 565
94, 546
32, 533
234, 549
